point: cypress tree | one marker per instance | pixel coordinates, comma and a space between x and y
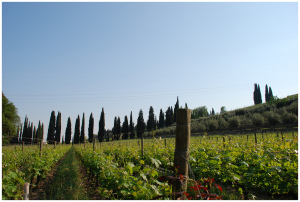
101, 126
131, 127
172, 116
82, 134
270, 94
161, 121
125, 128
140, 125
175, 108
68, 132
212, 111
115, 129
42, 131
186, 106
77, 131
267, 98
255, 94
58, 127
51, 128
259, 95
34, 135
107, 135
119, 128
91, 128
30, 134
24, 135
151, 120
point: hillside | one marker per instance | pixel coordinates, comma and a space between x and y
279, 113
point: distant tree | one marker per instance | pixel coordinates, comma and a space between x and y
270, 94
91, 128
25, 128
77, 130
131, 127
186, 106
58, 127
125, 128
172, 116
151, 120
118, 128
68, 132
175, 108
115, 129
161, 121
51, 128
267, 98
257, 95
212, 111
30, 133
140, 125
34, 135
199, 112
82, 133
107, 135
10, 120
223, 110
101, 126
169, 117
39, 134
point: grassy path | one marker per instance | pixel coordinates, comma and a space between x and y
67, 184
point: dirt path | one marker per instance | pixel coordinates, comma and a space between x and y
66, 181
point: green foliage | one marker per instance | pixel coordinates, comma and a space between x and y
272, 117
101, 131
91, 128
77, 131
212, 125
199, 112
51, 128
68, 131
234, 122
140, 124
10, 120
82, 133
151, 125
223, 110
257, 120
58, 127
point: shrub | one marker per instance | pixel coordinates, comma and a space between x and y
222, 123
213, 125
257, 120
234, 122
289, 118
239, 112
272, 117
245, 121
293, 108
198, 127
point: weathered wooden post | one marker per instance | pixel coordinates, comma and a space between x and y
182, 144
142, 146
26, 191
165, 142
41, 146
94, 144
22, 146
255, 137
224, 141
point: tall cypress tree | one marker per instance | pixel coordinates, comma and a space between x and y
101, 126
107, 135
161, 121
77, 131
172, 116
91, 128
151, 120
259, 95
68, 132
118, 128
24, 135
58, 127
212, 111
34, 135
125, 128
175, 108
82, 134
267, 98
115, 129
51, 128
270, 93
140, 125
131, 127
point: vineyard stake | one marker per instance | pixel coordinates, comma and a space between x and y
142, 147
165, 142
22, 146
224, 141
255, 138
182, 144
41, 146
26, 191
93, 144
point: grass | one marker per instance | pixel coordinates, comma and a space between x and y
67, 182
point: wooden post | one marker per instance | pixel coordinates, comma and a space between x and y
282, 136
182, 144
93, 144
255, 137
165, 142
22, 146
142, 147
41, 146
26, 191
84, 142
224, 141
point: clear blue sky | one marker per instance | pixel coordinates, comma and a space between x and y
79, 57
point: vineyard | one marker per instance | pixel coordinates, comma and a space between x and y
228, 167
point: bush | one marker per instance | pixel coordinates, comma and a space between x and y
289, 118
272, 117
257, 120
213, 125
293, 108
234, 122
198, 127
239, 112
245, 122
222, 123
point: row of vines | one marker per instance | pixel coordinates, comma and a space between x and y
121, 172
20, 166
